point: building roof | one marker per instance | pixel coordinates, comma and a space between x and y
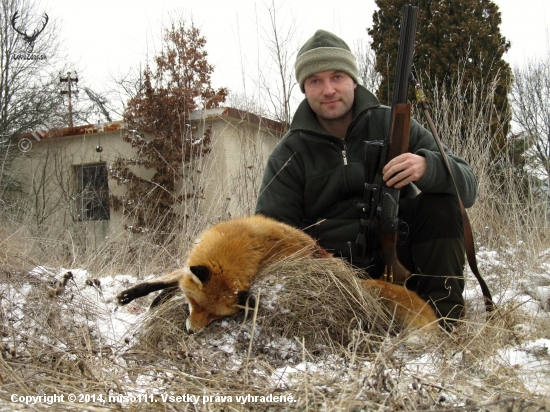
241, 115
220, 112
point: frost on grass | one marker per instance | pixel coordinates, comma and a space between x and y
315, 337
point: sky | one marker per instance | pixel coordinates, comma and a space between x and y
104, 39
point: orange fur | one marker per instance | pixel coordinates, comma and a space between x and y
228, 256
407, 308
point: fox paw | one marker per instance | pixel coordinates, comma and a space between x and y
125, 297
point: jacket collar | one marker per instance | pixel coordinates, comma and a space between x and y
305, 118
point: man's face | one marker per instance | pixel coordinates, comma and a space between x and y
330, 94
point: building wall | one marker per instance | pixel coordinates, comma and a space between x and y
231, 173
228, 177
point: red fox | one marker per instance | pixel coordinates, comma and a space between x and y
228, 257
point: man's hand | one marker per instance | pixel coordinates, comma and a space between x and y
404, 169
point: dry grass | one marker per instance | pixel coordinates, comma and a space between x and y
315, 336
312, 304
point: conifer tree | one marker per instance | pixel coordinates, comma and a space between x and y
161, 132
457, 42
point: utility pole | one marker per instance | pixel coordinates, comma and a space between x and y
69, 80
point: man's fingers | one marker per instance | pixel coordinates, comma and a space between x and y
404, 169
399, 180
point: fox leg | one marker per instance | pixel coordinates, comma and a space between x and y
167, 283
407, 308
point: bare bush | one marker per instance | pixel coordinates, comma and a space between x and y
531, 105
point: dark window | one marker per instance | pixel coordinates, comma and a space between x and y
93, 192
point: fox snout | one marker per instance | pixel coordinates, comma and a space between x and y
199, 318
189, 327
195, 324
197, 321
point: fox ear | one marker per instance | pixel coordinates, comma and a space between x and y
247, 300
201, 272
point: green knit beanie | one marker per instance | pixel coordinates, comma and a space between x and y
324, 51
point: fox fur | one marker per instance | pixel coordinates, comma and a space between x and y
228, 257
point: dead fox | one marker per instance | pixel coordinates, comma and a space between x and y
228, 257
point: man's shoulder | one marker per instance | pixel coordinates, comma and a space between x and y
381, 110
287, 144
295, 142
373, 118
290, 137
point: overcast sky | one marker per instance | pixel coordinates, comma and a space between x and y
107, 37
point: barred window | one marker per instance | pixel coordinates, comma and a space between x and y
93, 192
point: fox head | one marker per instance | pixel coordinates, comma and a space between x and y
210, 295
226, 259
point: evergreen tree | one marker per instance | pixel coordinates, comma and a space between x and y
160, 129
457, 42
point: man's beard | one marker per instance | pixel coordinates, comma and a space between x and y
336, 117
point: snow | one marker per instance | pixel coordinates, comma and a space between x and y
525, 359
526, 354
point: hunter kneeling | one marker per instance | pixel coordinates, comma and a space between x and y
315, 180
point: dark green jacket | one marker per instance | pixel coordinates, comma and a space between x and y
312, 176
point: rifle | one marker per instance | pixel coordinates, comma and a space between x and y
397, 143
381, 203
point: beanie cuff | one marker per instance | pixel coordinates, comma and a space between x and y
322, 59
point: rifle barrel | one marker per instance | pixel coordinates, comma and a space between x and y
405, 54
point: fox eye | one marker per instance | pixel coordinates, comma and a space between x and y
201, 272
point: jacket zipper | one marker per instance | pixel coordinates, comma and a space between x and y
344, 155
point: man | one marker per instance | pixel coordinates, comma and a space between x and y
314, 178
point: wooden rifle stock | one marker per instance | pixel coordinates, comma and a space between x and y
398, 143
394, 271
400, 131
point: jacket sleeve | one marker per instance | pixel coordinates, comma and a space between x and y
437, 178
281, 195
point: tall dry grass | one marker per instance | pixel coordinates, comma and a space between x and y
507, 209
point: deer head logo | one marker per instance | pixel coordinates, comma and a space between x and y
23, 31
